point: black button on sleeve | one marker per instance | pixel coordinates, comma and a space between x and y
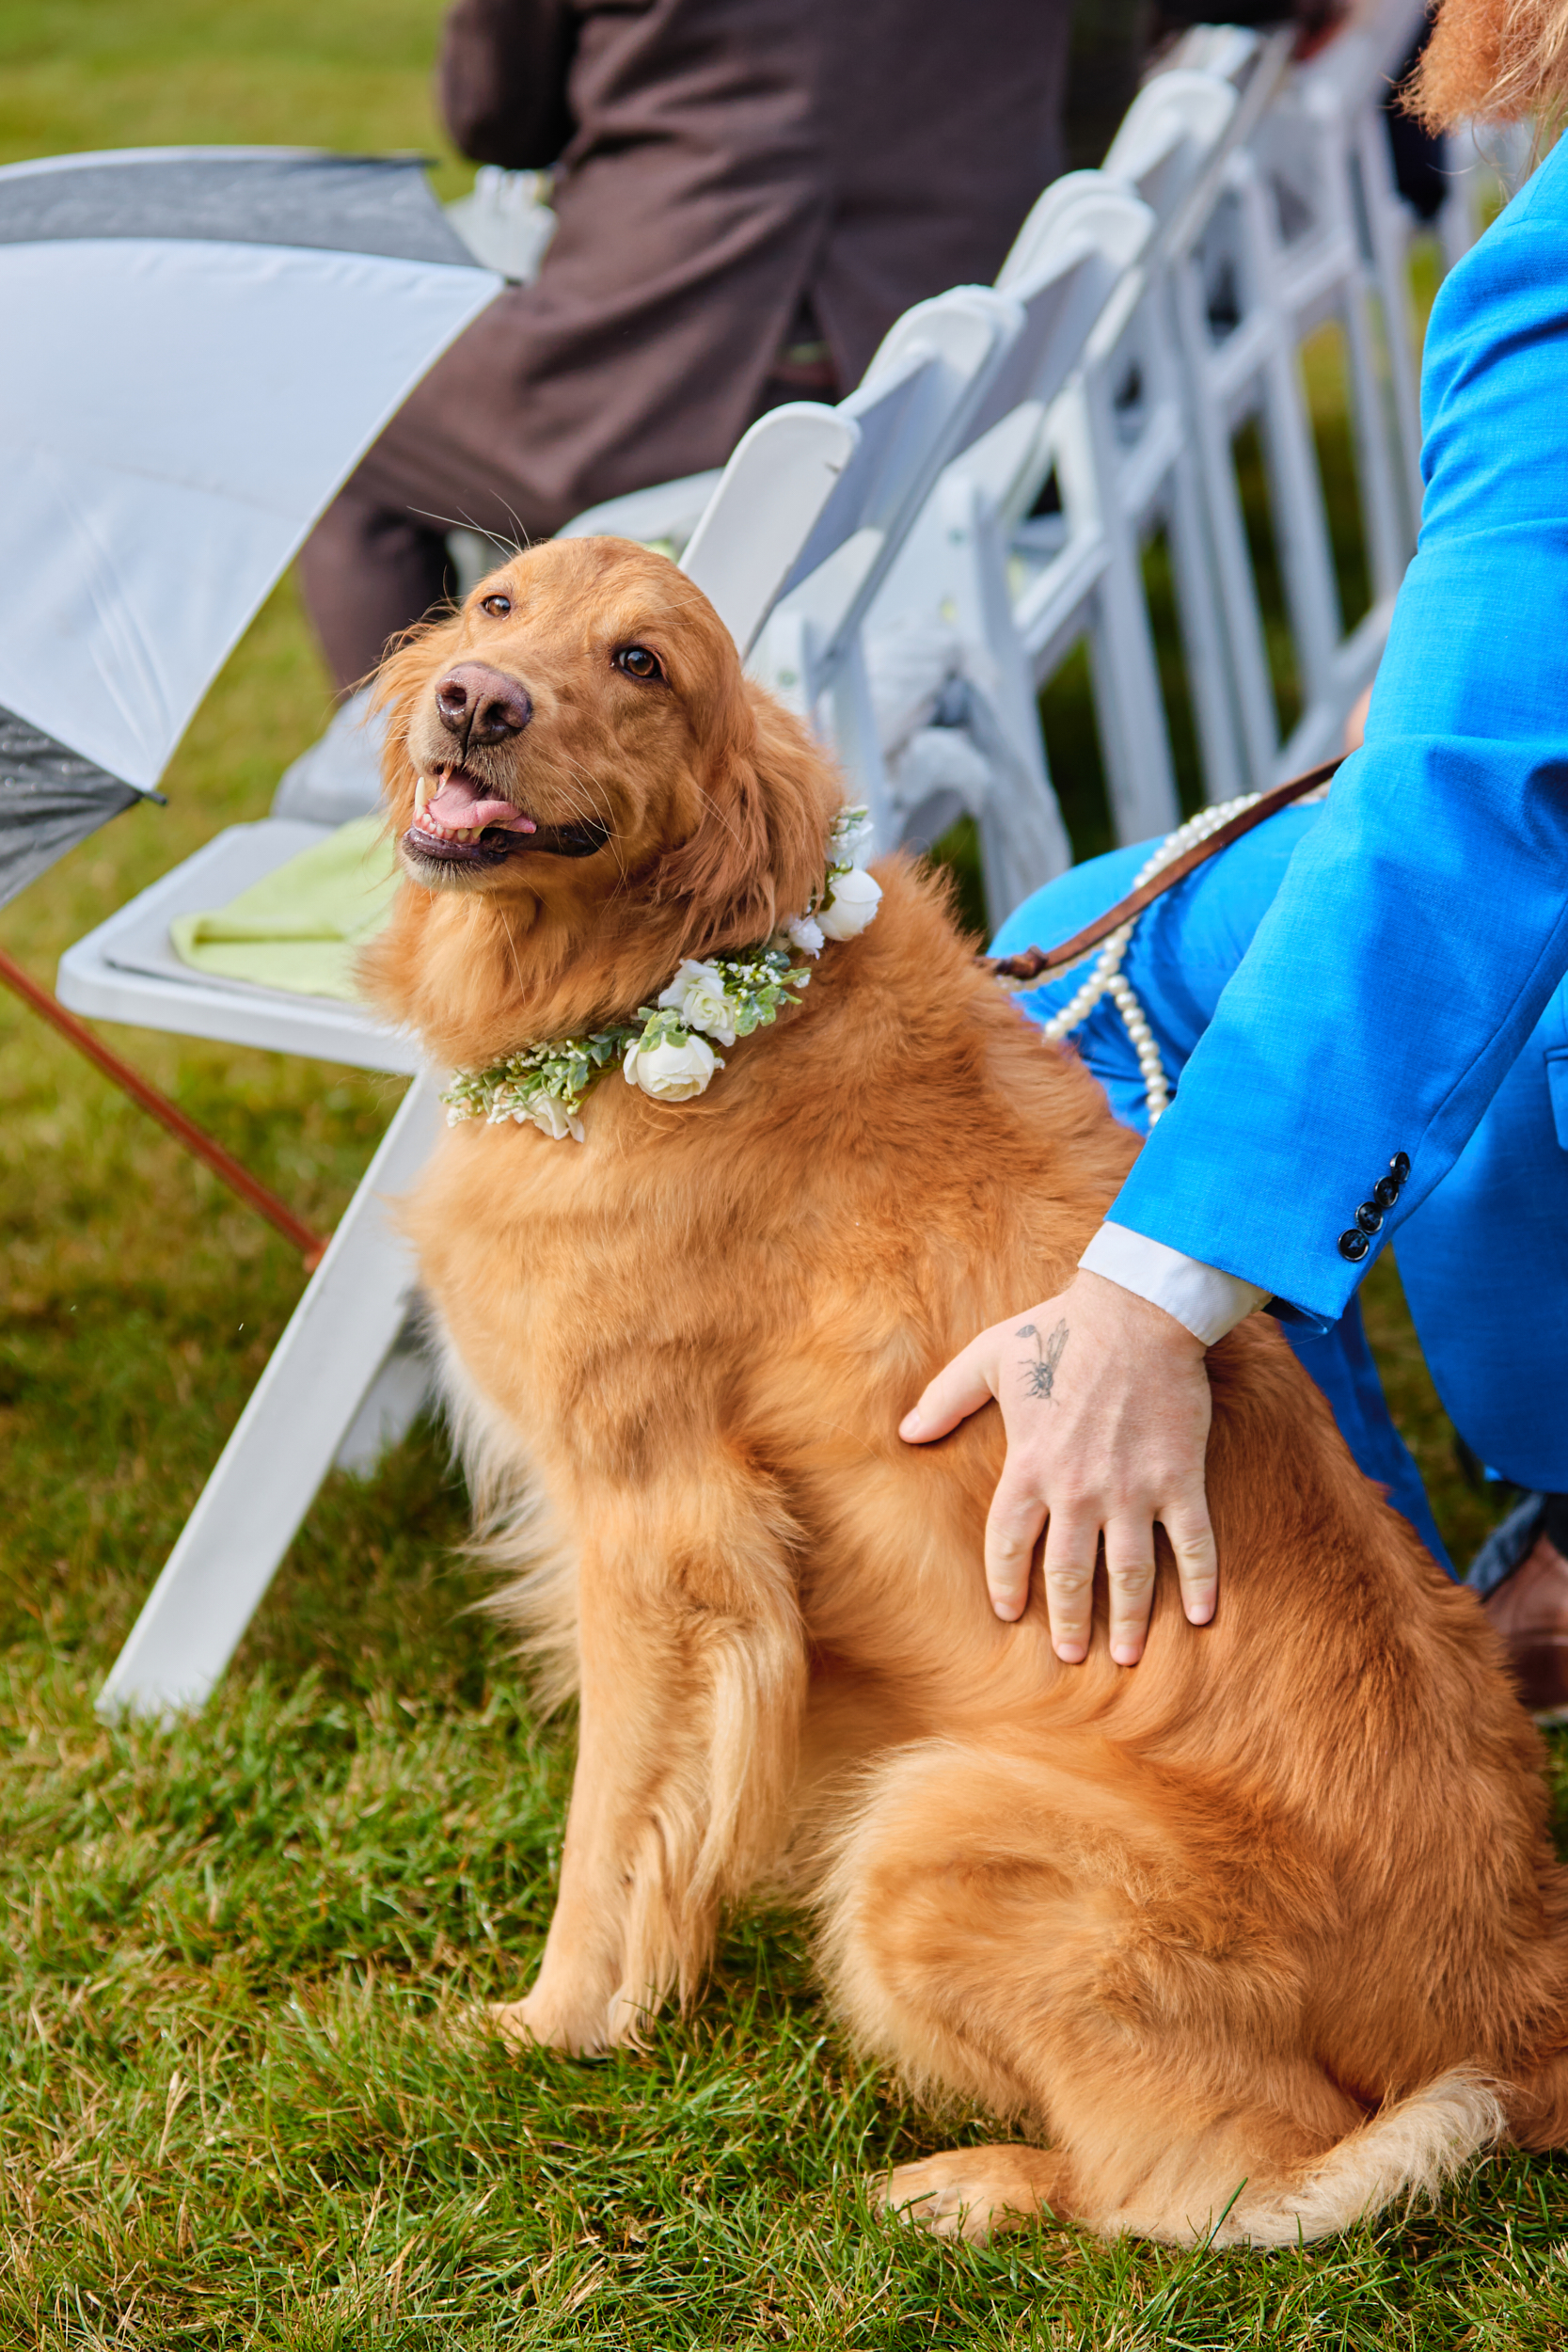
1354, 1245
1398, 1167
1370, 1217
1385, 1192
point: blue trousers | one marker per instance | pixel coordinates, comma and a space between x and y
1483, 1260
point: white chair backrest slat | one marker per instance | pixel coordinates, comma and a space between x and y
1013, 593
889, 414
927, 383
1061, 300
1173, 127
1307, 229
777, 486
951, 604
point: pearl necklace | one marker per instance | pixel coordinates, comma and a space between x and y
1108, 978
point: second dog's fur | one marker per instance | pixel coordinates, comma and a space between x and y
1268, 1927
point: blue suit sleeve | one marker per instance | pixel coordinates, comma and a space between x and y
1423, 923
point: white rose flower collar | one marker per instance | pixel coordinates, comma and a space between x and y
666, 1050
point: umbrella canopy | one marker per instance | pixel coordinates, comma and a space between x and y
203, 343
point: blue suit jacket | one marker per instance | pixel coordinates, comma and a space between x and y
1423, 923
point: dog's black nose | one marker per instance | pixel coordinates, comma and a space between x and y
480, 706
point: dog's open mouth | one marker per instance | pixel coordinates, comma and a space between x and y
458, 821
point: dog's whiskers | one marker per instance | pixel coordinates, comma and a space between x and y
601, 810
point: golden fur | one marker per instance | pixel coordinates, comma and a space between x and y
1275, 1912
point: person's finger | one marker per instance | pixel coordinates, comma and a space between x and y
958, 1389
1012, 1530
1191, 1540
1071, 1544
1130, 1573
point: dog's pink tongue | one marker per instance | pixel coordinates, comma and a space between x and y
458, 805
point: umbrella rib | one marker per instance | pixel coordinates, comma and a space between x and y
311, 1245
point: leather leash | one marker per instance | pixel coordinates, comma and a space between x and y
1033, 964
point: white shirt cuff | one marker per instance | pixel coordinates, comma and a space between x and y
1205, 1301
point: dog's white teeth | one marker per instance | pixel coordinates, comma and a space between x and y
421, 794
428, 821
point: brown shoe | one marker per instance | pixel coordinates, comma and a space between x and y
1529, 1609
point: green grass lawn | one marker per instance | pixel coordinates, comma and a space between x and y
239, 2101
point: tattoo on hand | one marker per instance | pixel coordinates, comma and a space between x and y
1041, 1373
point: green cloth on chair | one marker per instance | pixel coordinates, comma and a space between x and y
301, 927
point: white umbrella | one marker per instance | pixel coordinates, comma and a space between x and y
203, 343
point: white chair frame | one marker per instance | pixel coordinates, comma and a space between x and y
1019, 592
814, 652
1307, 228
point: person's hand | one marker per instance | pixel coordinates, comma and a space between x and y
1105, 1401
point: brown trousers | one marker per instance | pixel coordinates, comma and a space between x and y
726, 162
378, 560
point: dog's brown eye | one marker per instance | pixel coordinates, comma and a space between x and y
637, 662
498, 607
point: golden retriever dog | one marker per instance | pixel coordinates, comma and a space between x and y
1252, 1937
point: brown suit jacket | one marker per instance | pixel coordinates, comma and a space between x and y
719, 160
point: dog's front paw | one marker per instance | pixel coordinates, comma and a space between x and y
972, 2192
540, 2023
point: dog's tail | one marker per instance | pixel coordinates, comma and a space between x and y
1409, 2150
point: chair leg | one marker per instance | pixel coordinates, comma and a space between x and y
391, 1406
304, 1406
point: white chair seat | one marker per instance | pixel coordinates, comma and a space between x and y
127, 970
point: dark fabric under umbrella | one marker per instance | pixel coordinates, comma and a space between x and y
50, 798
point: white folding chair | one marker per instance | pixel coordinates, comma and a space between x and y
920, 398
945, 615
1016, 590
505, 221
830, 651
1123, 446
814, 653
1308, 229
345, 1379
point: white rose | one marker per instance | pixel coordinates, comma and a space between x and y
552, 1118
851, 903
851, 834
697, 993
670, 1073
804, 932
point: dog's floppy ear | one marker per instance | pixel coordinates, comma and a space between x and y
757, 855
